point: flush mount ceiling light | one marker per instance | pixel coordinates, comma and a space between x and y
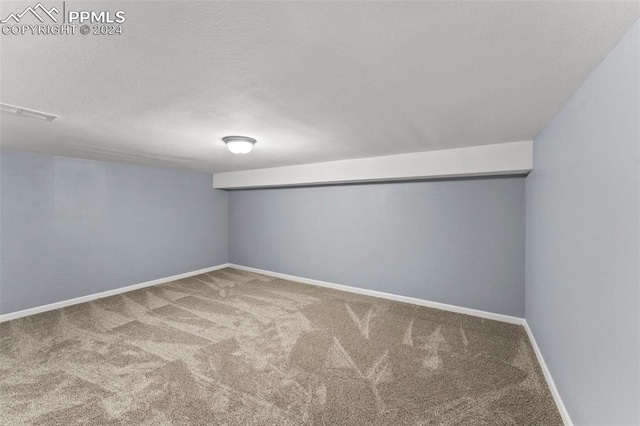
239, 144
26, 112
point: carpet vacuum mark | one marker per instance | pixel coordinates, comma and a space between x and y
236, 348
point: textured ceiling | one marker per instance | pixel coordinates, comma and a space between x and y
311, 81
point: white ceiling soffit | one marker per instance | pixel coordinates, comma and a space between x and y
488, 160
311, 81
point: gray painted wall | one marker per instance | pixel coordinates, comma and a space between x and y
582, 243
75, 227
458, 241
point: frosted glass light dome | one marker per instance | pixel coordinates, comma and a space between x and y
239, 144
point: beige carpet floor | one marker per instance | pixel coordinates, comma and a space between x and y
237, 348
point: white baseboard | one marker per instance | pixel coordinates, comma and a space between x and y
383, 295
88, 298
547, 375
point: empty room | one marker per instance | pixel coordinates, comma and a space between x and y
320, 213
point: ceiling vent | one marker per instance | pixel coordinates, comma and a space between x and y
26, 112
